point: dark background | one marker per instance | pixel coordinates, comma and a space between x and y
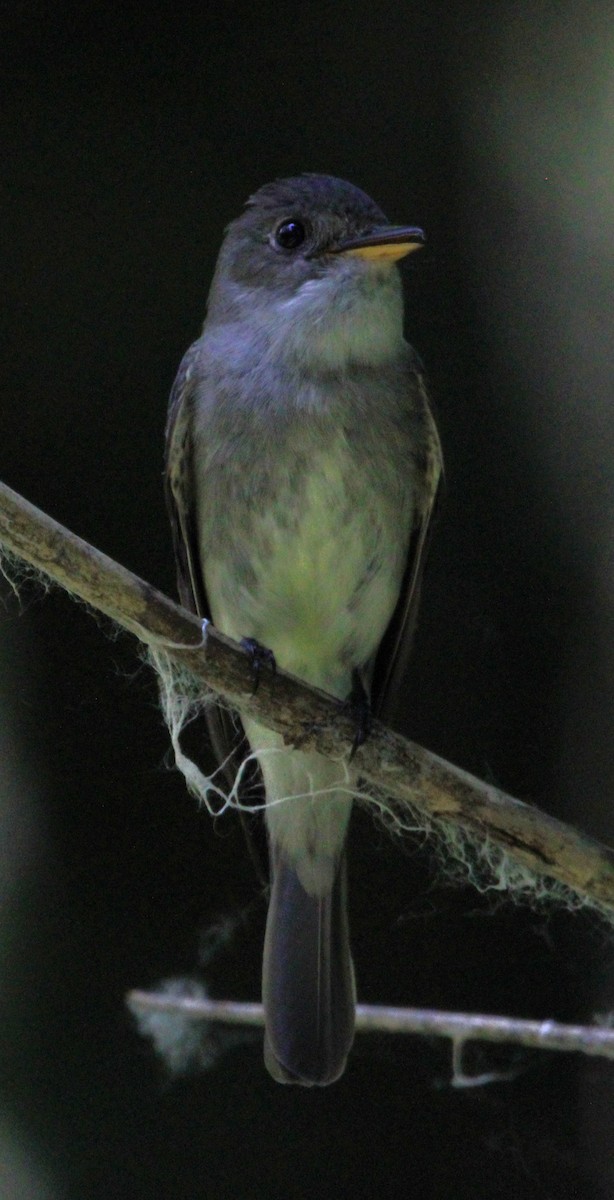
130, 136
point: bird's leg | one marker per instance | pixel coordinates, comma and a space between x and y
359, 707
260, 656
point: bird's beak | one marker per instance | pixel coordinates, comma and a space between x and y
385, 244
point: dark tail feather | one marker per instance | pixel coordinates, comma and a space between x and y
307, 979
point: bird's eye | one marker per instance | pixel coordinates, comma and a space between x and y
289, 235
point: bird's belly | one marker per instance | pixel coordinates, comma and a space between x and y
314, 576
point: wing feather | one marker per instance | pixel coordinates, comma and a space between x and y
224, 726
395, 648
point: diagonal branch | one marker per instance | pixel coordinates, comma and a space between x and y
307, 717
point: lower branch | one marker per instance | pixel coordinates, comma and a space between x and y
371, 1018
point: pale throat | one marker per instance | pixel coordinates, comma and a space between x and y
332, 324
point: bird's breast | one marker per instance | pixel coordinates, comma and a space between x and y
310, 563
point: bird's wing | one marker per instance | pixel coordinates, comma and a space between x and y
180, 487
225, 730
395, 647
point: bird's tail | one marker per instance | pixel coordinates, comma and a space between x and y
308, 978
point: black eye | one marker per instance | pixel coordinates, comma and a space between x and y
289, 235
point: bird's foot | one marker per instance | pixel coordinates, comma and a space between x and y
260, 656
359, 708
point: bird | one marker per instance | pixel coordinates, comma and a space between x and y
302, 466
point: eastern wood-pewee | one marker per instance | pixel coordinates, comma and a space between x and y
302, 467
